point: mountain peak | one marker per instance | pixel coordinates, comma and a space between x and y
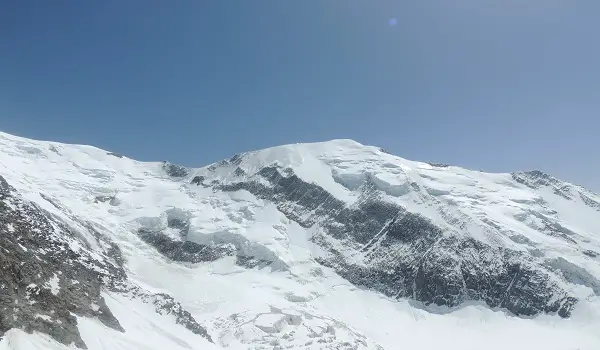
271, 246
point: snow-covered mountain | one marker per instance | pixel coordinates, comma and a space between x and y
331, 245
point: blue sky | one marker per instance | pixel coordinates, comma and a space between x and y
486, 84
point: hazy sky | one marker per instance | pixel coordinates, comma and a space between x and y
495, 85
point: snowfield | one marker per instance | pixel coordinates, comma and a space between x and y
239, 248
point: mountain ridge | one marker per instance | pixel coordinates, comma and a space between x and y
303, 222
331, 141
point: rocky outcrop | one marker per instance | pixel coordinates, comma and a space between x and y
49, 273
182, 250
173, 243
164, 304
175, 170
536, 179
402, 254
114, 154
44, 277
198, 180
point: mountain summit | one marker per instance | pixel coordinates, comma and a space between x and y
331, 245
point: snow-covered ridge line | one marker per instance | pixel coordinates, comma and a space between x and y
278, 154
267, 248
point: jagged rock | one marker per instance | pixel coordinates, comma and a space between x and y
316, 221
165, 304
183, 251
43, 281
239, 172
251, 262
40, 274
114, 154
589, 201
236, 159
413, 257
175, 170
198, 180
536, 179
439, 165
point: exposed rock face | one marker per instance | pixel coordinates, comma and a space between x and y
536, 179
49, 273
587, 199
198, 180
164, 304
177, 247
403, 254
43, 279
88, 239
182, 250
114, 154
435, 234
439, 165
175, 170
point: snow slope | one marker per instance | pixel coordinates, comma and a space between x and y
292, 247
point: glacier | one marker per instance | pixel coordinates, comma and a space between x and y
331, 245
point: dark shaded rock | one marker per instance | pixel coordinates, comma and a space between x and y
438, 276
41, 275
590, 253
236, 159
43, 282
406, 255
536, 179
165, 304
114, 154
175, 170
4, 187
251, 262
439, 165
183, 251
239, 172
182, 225
589, 201
218, 164
198, 180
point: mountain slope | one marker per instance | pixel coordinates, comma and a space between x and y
269, 248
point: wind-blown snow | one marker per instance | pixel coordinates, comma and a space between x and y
296, 303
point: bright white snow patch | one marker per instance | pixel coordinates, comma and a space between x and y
53, 285
44, 317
